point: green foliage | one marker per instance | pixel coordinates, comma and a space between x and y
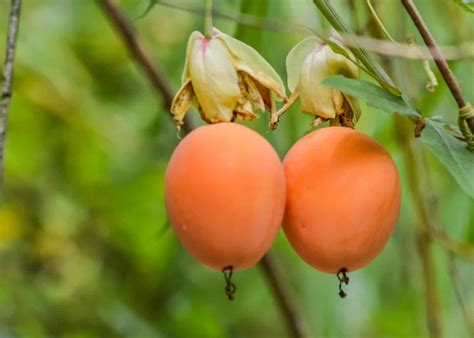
452, 152
374, 69
84, 246
466, 5
373, 95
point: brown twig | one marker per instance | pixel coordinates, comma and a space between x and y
284, 299
441, 63
12, 35
161, 86
138, 52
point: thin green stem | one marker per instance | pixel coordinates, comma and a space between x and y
208, 26
380, 23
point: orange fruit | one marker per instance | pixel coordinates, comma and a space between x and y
225, 195
343, 198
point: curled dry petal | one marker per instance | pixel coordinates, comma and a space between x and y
249, 89
248, 60
182, 102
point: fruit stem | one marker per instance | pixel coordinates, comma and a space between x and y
208, 26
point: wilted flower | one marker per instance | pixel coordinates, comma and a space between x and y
308, 64
225, 79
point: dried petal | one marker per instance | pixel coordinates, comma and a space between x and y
343, 109
249, 89
243, 110
354, 103
182, 102
250, 61
340, 105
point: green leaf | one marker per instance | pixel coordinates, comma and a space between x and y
372, 94
374, 68
452, 152
467, 5
149, 7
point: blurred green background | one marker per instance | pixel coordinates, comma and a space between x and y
85, 248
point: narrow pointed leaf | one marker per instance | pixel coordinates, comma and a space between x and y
466, 5
452, 152
372, 94
372, 66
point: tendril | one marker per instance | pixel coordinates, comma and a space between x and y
230, 287
341, 275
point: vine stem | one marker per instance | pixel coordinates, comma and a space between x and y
274, 277
440, 61
141, 56
161, 86
208, 25
12, 36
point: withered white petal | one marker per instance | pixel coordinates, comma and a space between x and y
189, 47
182, 102
315, 98
250, 61
214, 79
296, 58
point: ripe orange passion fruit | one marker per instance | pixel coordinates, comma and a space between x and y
225, 195
343, 198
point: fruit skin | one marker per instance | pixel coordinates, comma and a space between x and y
343, 198
225, 195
